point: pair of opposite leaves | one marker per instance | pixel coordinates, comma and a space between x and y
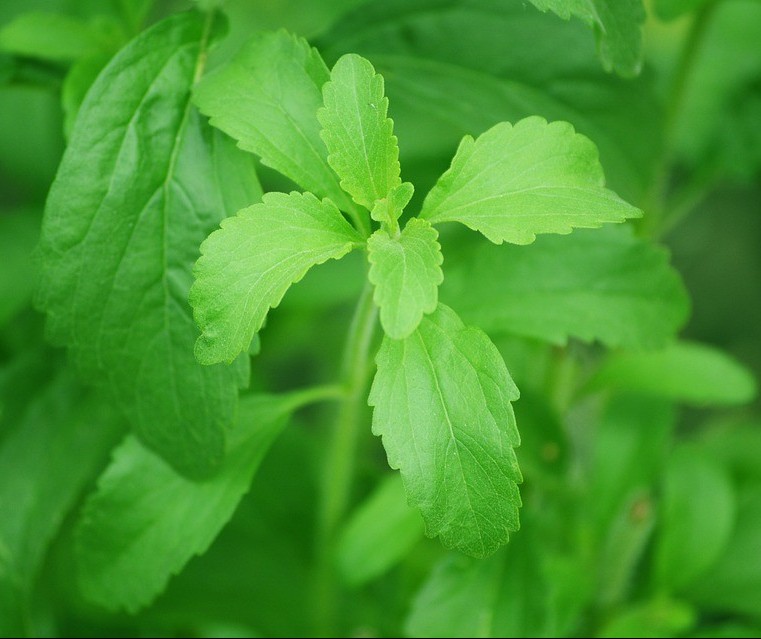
442, 392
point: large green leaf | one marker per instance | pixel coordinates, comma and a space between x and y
406, 272
602, 284
617, 23
516, 181
267, 98
456, 67
361, 144
143, 181
56, 447
145, 521
442, 405
686, 372
247, 266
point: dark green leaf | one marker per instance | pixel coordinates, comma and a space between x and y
442, 405
18, 235
145, 521
604, 285
142, 182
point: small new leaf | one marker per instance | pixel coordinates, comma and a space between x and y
250, 262
406, 272
442, 405
361, 144
388, 209
516, 181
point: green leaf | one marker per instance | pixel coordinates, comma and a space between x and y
50, 36
456, 68
506, 595
378, 534
670, 9
442, 405
697, 513
145, 522
604, 284
266, 98
143, 181
247, 266
37, 488
406, 272
655, 618
518, 180
362, 147
685, 372
76, 84
733, 583
19, 231
388, 209
618, 26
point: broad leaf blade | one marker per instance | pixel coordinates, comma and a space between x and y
618, 26
516, 181
247, 266
362, 147
142, 182
602, 284
145, 521
267, 98
442, 405
50, 36
406, 272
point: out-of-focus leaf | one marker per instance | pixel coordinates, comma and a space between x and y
603, 284
670, 9
685, 372
77, 82
59, 444
656, 618
19, 231
378, 534
696, 516
50, 36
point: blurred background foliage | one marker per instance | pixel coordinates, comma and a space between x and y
642, 497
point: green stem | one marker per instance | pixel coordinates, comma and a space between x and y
315, 394
361, 220
340, 460
655, 200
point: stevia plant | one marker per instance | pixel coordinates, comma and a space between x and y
212, 162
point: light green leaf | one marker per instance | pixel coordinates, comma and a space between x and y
378, 534
618, 26
54, 450
362, 147
143, 181
145, 522
456, 68
686, 372
267, 98
442, 405
516, 181
406, 272
661, 617
50, 36
388, 209
247, 266
697, 513
604, 284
